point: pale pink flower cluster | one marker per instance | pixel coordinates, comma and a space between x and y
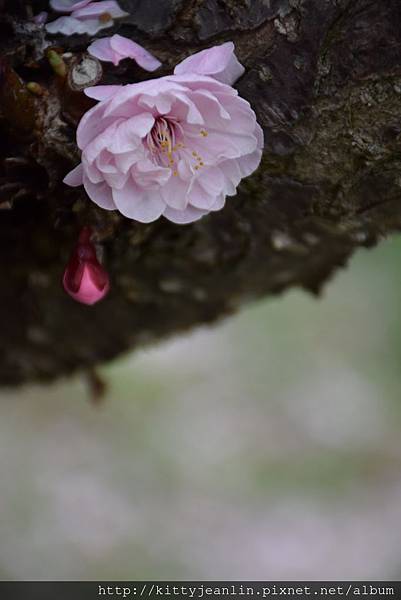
175, 146
85, 16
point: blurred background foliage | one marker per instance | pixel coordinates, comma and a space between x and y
267, 447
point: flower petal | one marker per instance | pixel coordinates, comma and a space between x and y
199, 198
219, 62
232, 174
212, 181
101, 92
159, 93
125, 160
149, 175
74, 177
92, 124
182, 217
91, 171
130, 49
116, 180
250, 162
102, 50
161, 102
100, 142
175, 192
71, 25
116, 48
128, 135
221, 144
100, 193
68, 5
219, 204
97, 9
136, 204
189, 109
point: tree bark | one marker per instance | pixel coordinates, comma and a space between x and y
324, 78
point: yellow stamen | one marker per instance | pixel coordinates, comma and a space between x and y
105, 17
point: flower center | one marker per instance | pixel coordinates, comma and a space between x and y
162, 138
105, 17
166, 143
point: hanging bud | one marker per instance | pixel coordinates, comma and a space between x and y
84, 278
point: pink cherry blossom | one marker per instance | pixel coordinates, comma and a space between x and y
174, 146
85, 280
218, 62
116, 48
87, 18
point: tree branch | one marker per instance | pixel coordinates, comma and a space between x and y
323, 76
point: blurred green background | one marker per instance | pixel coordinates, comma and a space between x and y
267, 447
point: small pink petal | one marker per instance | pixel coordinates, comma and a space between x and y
102, 50
74, 177
97, 9
116, 48
68, 5
71, 25
130, 49
218, 62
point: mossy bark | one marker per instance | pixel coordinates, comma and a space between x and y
324, 77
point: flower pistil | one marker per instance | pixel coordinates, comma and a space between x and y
163, 143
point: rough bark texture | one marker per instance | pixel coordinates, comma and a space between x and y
324, 78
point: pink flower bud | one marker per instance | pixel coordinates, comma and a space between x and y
84, 278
